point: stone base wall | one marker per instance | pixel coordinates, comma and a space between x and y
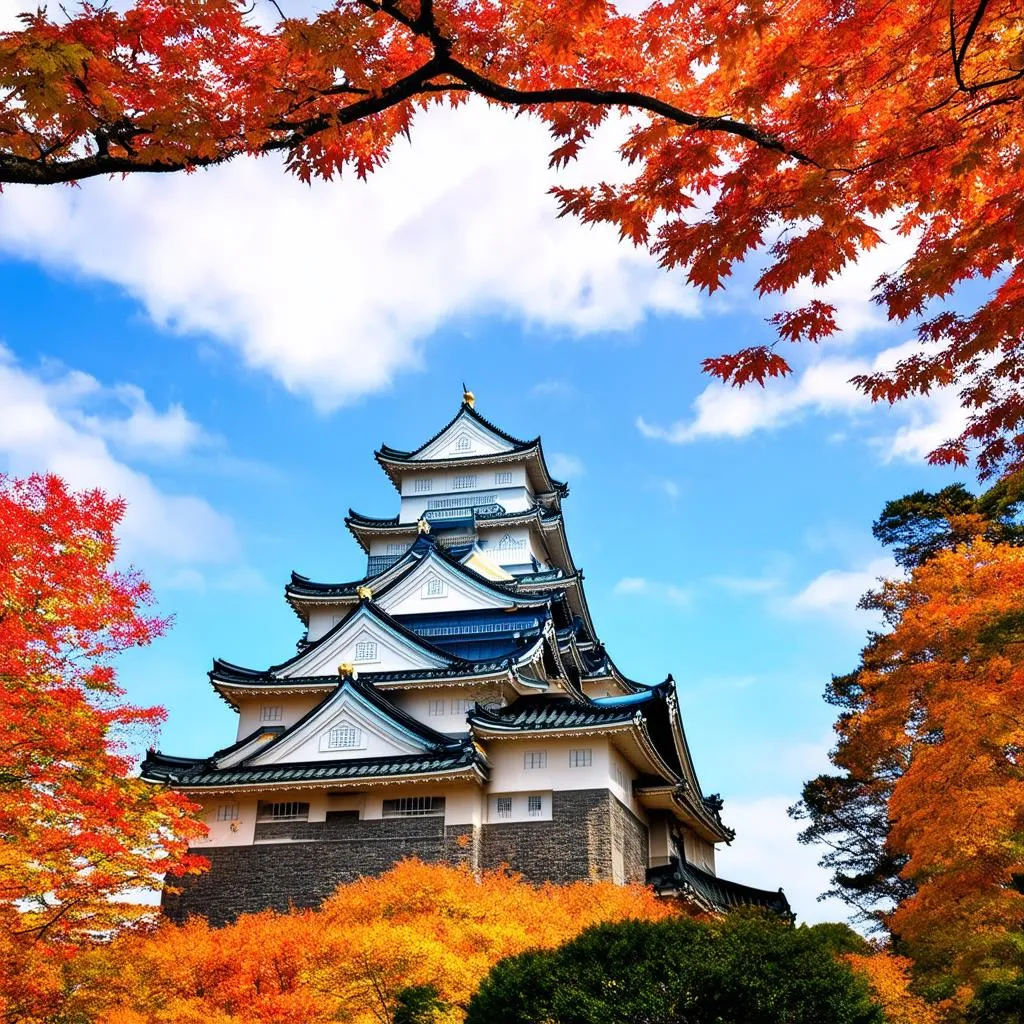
591, 835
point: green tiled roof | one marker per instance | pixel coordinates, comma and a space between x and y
187, 772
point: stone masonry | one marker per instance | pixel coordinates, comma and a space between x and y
299, 864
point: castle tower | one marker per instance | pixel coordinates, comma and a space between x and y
454, 704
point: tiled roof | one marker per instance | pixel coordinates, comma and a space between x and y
464, 410
530, 713
721, 893
159, 767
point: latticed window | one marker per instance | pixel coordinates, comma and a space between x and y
422, 485
271, 713
227, 812
510, 543
414, 807
503, 477
288, 810
534, 806
581, 758
344, 737
533, 759
465, 482
395, 549
503, 807
435, 707
435, 587
463, 444
460, 705
366, 650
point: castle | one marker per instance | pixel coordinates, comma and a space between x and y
454, 704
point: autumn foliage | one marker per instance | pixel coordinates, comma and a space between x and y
79, 832
802, 133
418, 925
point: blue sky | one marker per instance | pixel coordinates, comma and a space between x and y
227, 349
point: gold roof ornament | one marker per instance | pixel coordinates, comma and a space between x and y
422, 526
467, 396
364, 593
347, 670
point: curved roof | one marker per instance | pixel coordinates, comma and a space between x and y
469, 412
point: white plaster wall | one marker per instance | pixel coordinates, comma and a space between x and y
292, 709
422, 705
620, 781
515, 497
508, 774
323, 620
463, 805
411, 597
520, 808
699, 851
237, 832
490, 542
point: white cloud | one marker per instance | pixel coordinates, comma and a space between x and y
42, 429
746, 585
666, 592
834, 594
566, 467
335, 288
767, 854
822, 388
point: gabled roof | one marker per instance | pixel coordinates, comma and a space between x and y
301, 588
395, 461
195, 773
467, 412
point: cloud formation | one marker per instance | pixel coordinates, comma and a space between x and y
44, 427
335, 288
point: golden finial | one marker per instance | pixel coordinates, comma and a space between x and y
364, 593
347, 670
467, 396
422, 526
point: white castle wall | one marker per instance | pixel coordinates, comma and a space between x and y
251, 712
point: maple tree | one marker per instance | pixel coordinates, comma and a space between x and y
798, 130
79, 832
931, 731
419, 936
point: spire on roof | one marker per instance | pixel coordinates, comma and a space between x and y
467, 396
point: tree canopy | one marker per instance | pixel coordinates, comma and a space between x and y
743, 968
799, 131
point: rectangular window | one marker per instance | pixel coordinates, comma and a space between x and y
290, 810
503, 806
396, 549
366, 650
422, 485
464, 483
436, 707
619, 775
271, 713
461, 705
227, 812
535, 759
344, 737
581, 758
435, 587
503, 477
414, 807
534, 806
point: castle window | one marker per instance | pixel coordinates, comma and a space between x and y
422, 485
534, 759
271, 713
227, 812
461, 705
289, 810
534, 806
581, 758
619, 775
436, 707
510, 543
503, 807
396, 549
463, 443
414, 807
366, 650
464, 483
503, 477
344, 737
435, 587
